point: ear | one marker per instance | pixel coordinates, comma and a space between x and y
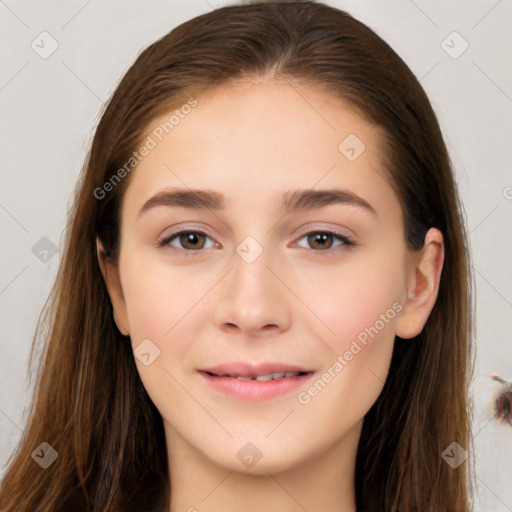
423, 285
110, 272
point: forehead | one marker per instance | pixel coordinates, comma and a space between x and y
252, 141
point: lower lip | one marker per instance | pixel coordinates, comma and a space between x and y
254, 389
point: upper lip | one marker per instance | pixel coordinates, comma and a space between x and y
246, 369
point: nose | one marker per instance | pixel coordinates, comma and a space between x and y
253, 298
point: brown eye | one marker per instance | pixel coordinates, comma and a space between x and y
320, 240
191, 240
324, 240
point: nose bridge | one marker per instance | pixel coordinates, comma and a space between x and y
253, 297
251, 275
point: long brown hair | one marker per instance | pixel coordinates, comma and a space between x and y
90, 404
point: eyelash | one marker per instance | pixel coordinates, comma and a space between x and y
348, 243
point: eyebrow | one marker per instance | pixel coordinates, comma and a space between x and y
290, 200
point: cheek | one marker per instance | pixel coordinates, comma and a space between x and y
158, 297
361, 308
164, 305
168, 306
356, 300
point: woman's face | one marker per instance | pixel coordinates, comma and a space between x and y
264, 289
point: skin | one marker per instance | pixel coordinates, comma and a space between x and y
293, 304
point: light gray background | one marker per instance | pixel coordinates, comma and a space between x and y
49, 109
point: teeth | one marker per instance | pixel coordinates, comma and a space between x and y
263, 378
270, 376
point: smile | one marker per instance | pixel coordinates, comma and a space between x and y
255, 387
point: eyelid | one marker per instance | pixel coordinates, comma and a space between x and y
326, 229
178, 229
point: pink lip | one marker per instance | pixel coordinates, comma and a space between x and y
225, 381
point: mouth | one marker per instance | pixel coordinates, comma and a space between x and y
261, 378
257, 381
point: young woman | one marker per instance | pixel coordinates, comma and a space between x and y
265, 298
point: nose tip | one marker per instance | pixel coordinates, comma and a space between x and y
252, 300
